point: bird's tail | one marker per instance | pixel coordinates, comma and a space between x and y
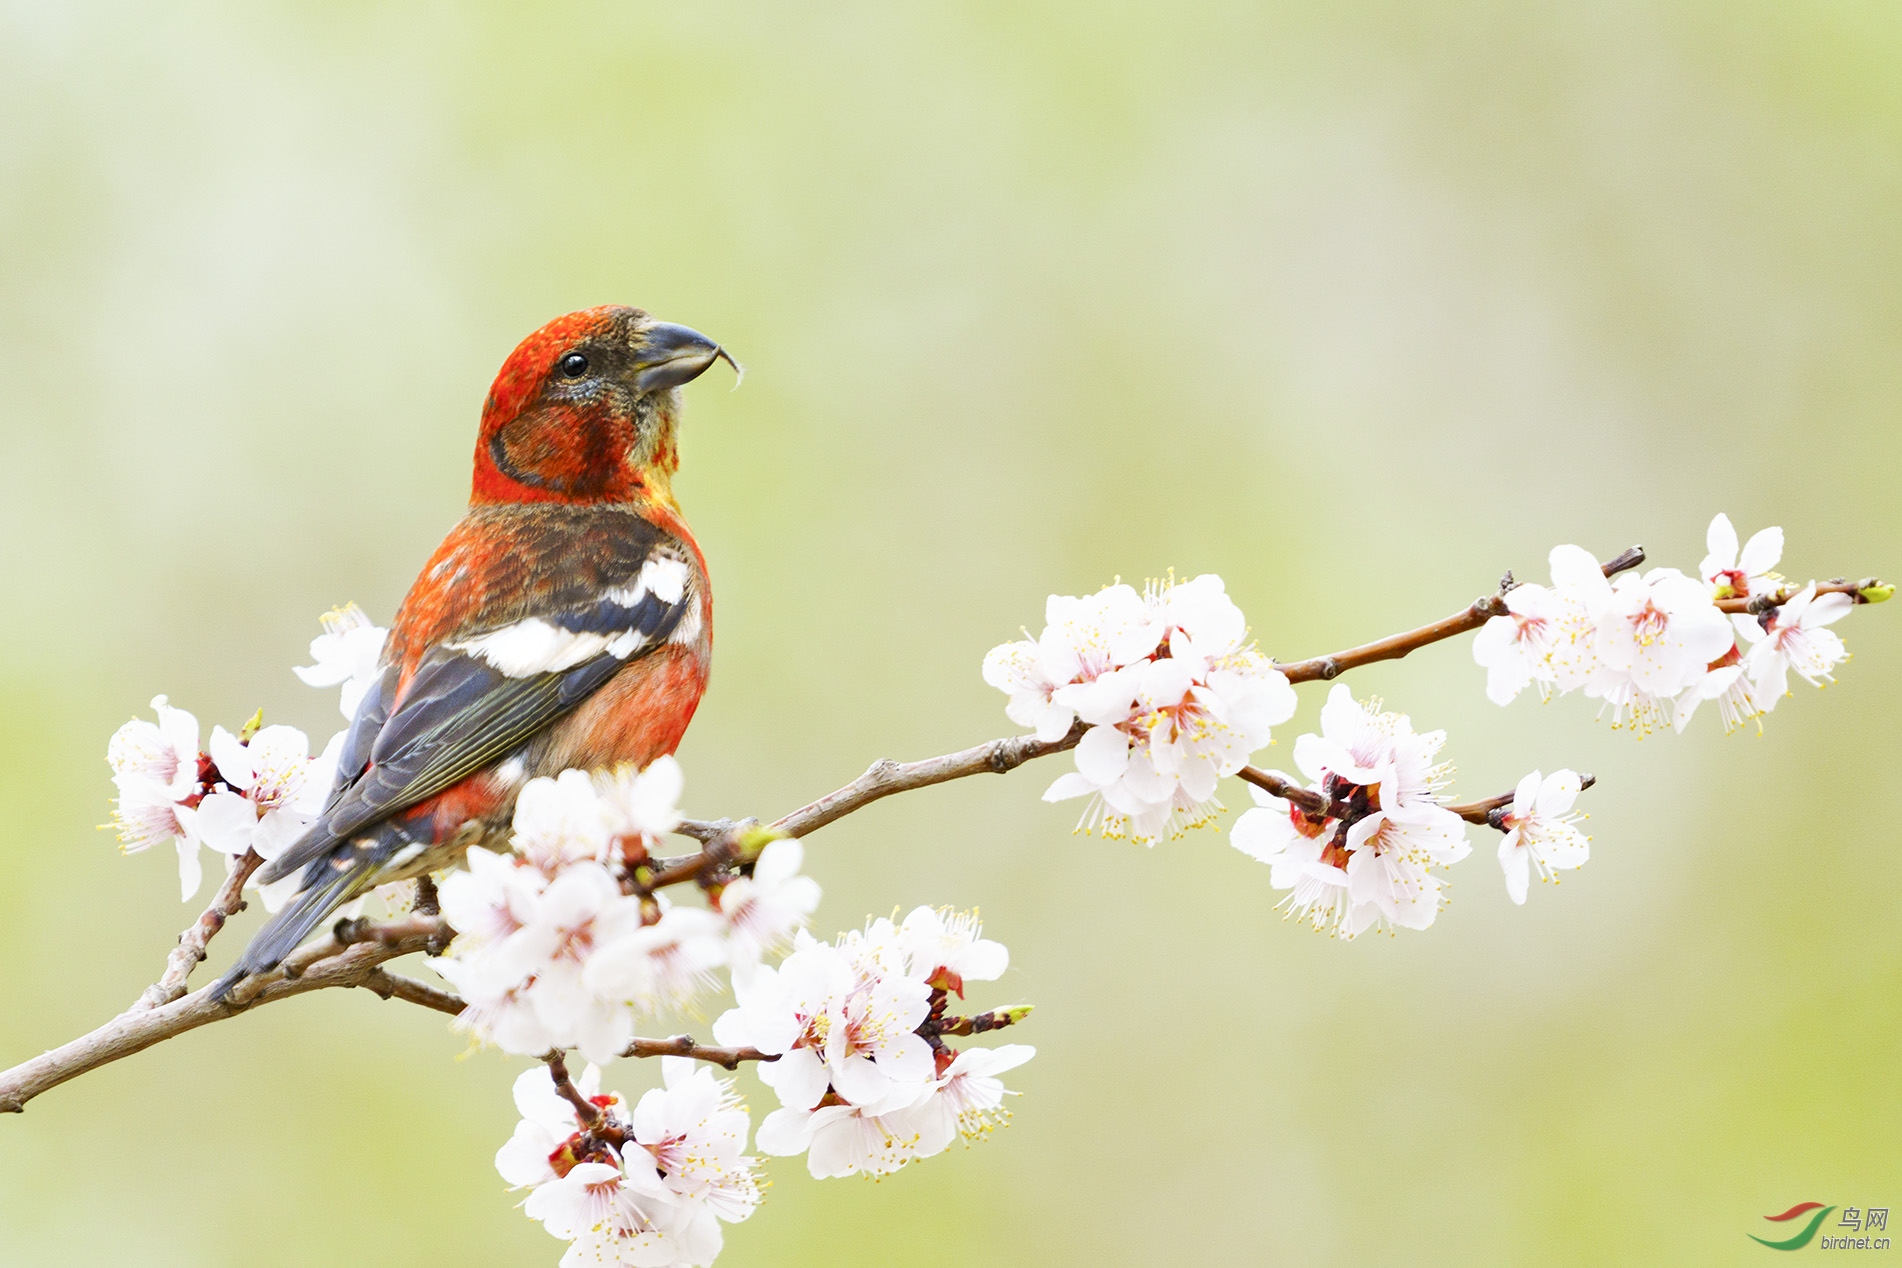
335, 886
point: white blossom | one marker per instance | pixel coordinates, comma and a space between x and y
347, 653
1540, 836
945, 949
695, 1130
548, 1120
489, 903
1795, 639
559, 821
1583, 592
1731, 573
664, 965
1369, 861
763, 911
1656, 637
1727, 684
841, 1139
968, 1099
641, 807
1166, 726
581, 911
1083, 638
272, 790
155, 770
1303, 857
1515, 650
841, 1018
600, 1208
648, 1189
844, 1140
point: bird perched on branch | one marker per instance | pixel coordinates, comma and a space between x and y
566, 621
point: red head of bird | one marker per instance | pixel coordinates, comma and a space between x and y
584, 410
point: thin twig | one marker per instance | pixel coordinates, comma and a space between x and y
348, 933
882, 779
190, 951
1483, 810
1317, 806
585, 1110
396, 986
1474, 615
1312, 802
685, 1046
996, 1019
1756, 605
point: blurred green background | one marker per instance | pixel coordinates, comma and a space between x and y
1358, 305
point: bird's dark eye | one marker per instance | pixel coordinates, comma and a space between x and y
574, 365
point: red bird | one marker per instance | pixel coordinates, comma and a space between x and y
566, 621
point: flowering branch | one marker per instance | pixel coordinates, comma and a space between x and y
1318, 806
1393, 647
563, 939
190, 951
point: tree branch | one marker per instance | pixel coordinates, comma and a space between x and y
685, 1046
352, 954
1317, 806
190, 951
1858, 591
1483, 811
1393, 647
137, 1029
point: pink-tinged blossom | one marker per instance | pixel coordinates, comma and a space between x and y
842, 1018
1540, 837
1795, 639
945, 949
658, 1197
968, 1100
842, 1139
1734, 574
666, 965
271, 790
1583, 592
548, 1120
560, 821
346, 654
1515, 650
694, 1128
763, 911
1656, 638
1083, 638
155, 770
641, 806
580, 913
1726, 683
1369, 862
1164, 729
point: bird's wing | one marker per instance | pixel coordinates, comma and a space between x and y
476, 698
